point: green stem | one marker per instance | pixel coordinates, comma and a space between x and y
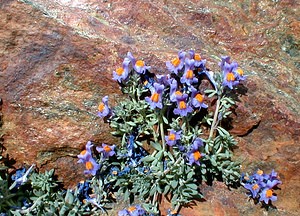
162, 133
154, 198
214, 123
154, 135
220, 149
176, 162
154, 153
33, 206
161, 128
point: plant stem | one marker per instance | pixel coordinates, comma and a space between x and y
154, 135
154, 198
162, 133
177, 208
214, 123
220, 149
176, 162
33, 206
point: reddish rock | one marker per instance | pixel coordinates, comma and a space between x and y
56, 60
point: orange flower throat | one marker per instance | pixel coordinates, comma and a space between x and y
269, 193
240, 71
175, 62
255, 187
89, 165
182, 105
155, 97
131, 209
140, 63
189, 74
107, 148
230, 77
119, 71
199, 98
197, 155
172, 136
101, 107
197, 57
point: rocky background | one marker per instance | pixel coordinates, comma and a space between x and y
56, 63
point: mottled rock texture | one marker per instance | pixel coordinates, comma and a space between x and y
56, 62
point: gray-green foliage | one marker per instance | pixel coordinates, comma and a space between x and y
168, 171
43, 195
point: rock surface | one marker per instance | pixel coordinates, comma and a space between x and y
56, 62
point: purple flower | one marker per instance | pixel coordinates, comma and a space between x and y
274, 176
106, 150
86, 157
177, 63
188, 76
260, 176
138, 65
194, 157
172, 138
197, 99
261, 185
123, 212
224, 59
173, 92
197, 143
199, 62
272, 183
239, 74
229, 77
103, 108
91, 166
182, 107
253, 187
156, 98
266, 195
231, 72
136, 210
85, 154
163, 79
122, 72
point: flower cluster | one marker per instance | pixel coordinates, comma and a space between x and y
91, 164
166, 112
261, 186
86, 158
181, 85
231, 72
